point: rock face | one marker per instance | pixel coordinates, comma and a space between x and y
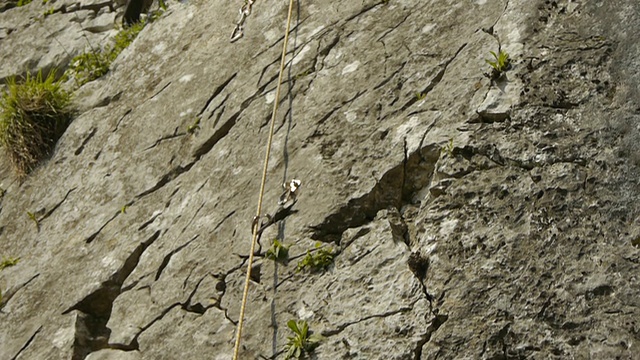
470, 218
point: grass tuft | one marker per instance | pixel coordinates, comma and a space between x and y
33, 116
94, 64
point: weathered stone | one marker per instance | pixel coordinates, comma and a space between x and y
516, 197
102, 23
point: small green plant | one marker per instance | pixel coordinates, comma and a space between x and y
33, 116
303, 74
8, 262
23, 3
33, 218
123, 210
420, 96
93, 64
501, 64
278, 252
320, 260
48, 12
191, 129
302, 341
448, 149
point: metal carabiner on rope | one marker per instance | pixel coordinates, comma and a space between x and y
245, 11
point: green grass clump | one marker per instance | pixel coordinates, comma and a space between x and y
302, 341
94, 64
23, 2
320, 260
33, 116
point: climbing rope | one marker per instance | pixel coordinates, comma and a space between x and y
256, 220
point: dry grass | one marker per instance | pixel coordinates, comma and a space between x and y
33, 115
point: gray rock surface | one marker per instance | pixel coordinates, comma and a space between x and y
471, 219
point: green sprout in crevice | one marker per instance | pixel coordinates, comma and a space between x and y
318, 261
195, 126
499, 65
278, 252
23, 2
302, 342
33, 115
303, 74
8, 262
93, 64
33, 218
448, 149
421, 96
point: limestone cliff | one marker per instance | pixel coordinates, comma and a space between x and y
517, 196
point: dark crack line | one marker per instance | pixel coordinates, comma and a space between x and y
436, 323
95, 234
192, 218
281, 38
394, 27
134, 345
26, 345
364, 11
216, 92
9, 294
161, 90
225, 128
359, 211
341, 327
490, 30
167, 258
363, 255
332, 111
217, 136
385, 81
223, 220
85, 141
167, 178
435, 81
264, 71
56, 206
91, 332
149, 222
220, 106
196, 308
120, 120
175, 135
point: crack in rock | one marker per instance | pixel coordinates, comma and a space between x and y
93, 236
167, 178
94, 311
167, 258
341, 327
395, 189
6, 296
85, 141
26, 344
436, 323
216, 92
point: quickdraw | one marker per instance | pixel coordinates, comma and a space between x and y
245, 11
